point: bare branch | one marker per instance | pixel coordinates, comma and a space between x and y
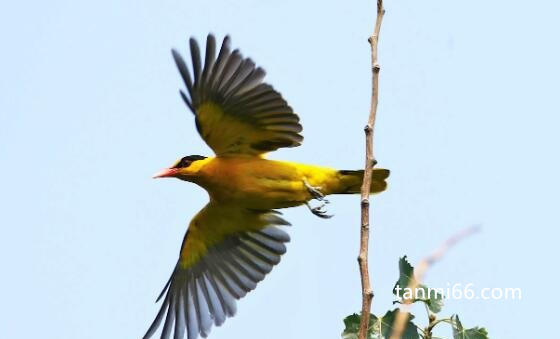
367, 291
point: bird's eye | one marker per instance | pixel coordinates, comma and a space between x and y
185, 162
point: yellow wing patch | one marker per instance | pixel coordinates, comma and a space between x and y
214, 223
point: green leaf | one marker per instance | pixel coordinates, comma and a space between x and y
383, 327
434, 299
431, 297
351, 326
406, 274
471, 333
379, 328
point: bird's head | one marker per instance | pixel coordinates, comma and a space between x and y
185, 168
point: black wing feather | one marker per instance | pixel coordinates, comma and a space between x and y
234, 83
204, 295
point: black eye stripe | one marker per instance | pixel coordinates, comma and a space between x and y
187, 161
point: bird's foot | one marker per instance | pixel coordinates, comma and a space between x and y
315, 192
319, 211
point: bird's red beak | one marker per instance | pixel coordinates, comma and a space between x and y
166, 173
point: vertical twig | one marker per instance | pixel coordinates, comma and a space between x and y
367, 291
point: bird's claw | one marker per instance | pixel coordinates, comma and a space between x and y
319, 211
319, 196
315, 192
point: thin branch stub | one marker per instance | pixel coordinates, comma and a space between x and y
361, 259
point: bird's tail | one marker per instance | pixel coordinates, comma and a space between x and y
351, 181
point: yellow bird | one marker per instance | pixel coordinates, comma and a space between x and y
236, 239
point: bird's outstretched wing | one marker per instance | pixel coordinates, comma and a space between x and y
225, 253
236, 113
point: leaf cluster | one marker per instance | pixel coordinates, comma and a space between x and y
382, 327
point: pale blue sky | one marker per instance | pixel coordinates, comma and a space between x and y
89, 109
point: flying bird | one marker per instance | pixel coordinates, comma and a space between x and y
237, 238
